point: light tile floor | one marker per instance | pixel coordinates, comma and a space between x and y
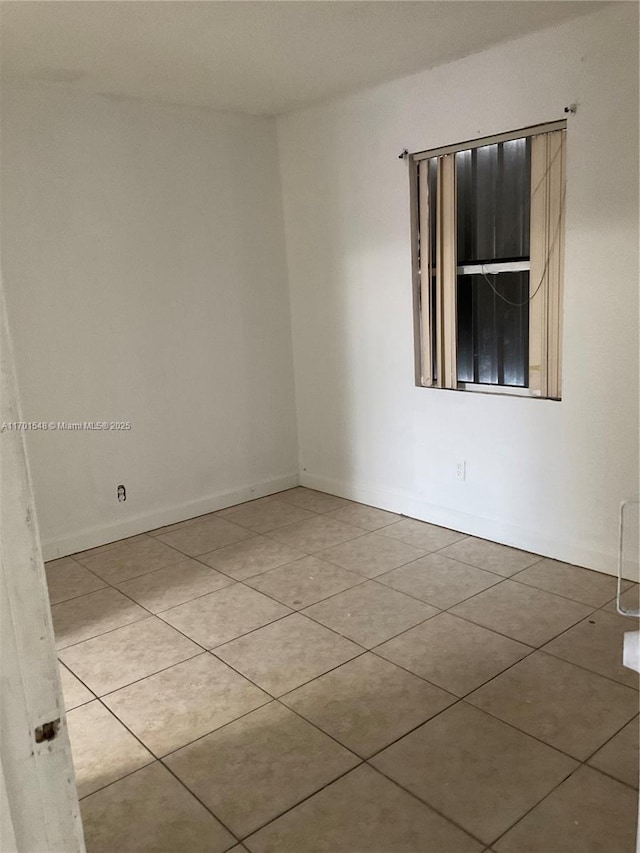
304, 674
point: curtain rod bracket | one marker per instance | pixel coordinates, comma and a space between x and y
404, 154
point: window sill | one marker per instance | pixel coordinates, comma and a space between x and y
509, 390
495, 390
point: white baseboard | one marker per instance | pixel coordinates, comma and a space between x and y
526, 539
95, 536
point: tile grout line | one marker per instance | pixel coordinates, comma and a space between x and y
555, 636
586, 669
93, 695
159, 761
425, 803
81, 595
581, 764
204, 805
447, 690
596, 751
300, 802
60, 649
536, 804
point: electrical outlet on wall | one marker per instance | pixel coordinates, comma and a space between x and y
461, 470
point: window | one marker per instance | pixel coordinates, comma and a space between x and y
488, 245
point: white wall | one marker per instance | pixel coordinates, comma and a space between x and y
143, 258
541, 475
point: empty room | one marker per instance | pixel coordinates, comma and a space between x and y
319, 429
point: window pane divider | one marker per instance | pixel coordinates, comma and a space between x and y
494, 267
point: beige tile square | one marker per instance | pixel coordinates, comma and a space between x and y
263, 516
220, 616
150, 812
173, 585
312, 500
304, 582
127, 654
596, 643
527, 614
367, 517
439, 580
129, 559
588, 813
452, 653
573, 582
174, 707
90, 615
205, 536
475, 770
420, 534
491, 556
367, 703
251, 557
561, 704
371, 555
287, 653
73, 690
619, 757
103, 750
254, 769
362, 813
316, 534
68, 579
370, 613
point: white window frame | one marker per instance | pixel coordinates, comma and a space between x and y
436, 366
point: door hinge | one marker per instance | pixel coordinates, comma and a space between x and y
47, 731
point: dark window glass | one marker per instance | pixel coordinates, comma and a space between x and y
493, 189
493, 336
